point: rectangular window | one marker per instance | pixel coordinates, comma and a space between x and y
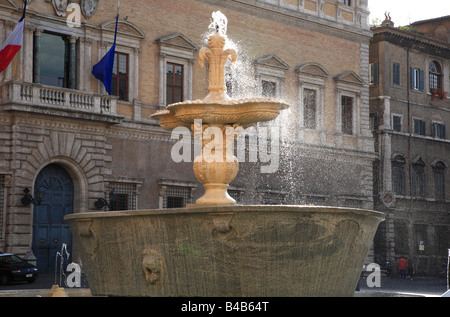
418, 181
419, 127
397, 123
273, 199
119, 84
438, 130
439, 183
54, 60
236, 195
347, 2
174, 73
122, 196
269, 89
347, 115
434, 81
310, 108
417, 79
396, 74
373, 73
399, 179
177, 197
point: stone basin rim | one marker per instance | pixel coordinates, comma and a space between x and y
218, 210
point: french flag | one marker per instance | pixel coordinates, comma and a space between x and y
13, 43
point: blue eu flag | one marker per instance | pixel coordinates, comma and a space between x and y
103, 69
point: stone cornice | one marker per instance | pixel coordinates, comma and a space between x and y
410, 40
299, 18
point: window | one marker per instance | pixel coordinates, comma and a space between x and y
269, 89
54, 61
435, 75
373, 73
236, 195
399, 175
439, 179
347, 2
119, 84
122, 196
417, 79
273, 198
311, 90
174, 83
438, 130
397, 123
309, 108
177, 197
418, 178
419, 127
347, 115
396, 74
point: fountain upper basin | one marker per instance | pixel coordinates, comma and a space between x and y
245, 112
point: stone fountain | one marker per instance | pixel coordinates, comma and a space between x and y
215, 247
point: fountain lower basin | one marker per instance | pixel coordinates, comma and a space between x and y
230, 251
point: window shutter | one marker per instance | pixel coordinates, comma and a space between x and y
411, 78
374, 73
421, 80
396, 74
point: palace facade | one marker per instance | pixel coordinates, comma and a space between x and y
77, 149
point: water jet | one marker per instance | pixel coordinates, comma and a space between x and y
215, 247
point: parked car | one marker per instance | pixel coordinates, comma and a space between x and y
15, 269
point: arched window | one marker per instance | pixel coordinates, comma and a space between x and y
399, 174
418, 178
435, 75
439, 179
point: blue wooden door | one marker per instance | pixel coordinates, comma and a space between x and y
49, 229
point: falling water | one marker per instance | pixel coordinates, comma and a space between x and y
60, 256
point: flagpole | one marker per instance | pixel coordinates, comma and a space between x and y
104, 68
21, 19
24, 10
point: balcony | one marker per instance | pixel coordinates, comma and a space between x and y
50, 100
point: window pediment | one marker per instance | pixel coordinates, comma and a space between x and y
439, 164
312, 69
349, 77
418, 161
177, 40
272, 61
123, 27
398, 159
8, 3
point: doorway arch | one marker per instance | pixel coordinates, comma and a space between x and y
49, 230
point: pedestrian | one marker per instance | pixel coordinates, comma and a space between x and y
410, 270
402, 266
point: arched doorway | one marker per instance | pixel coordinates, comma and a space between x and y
49, 230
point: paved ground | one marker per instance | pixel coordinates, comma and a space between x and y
393, 286
390, 287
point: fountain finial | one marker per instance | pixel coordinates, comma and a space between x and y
217, 57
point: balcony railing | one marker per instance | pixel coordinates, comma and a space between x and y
15, 93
